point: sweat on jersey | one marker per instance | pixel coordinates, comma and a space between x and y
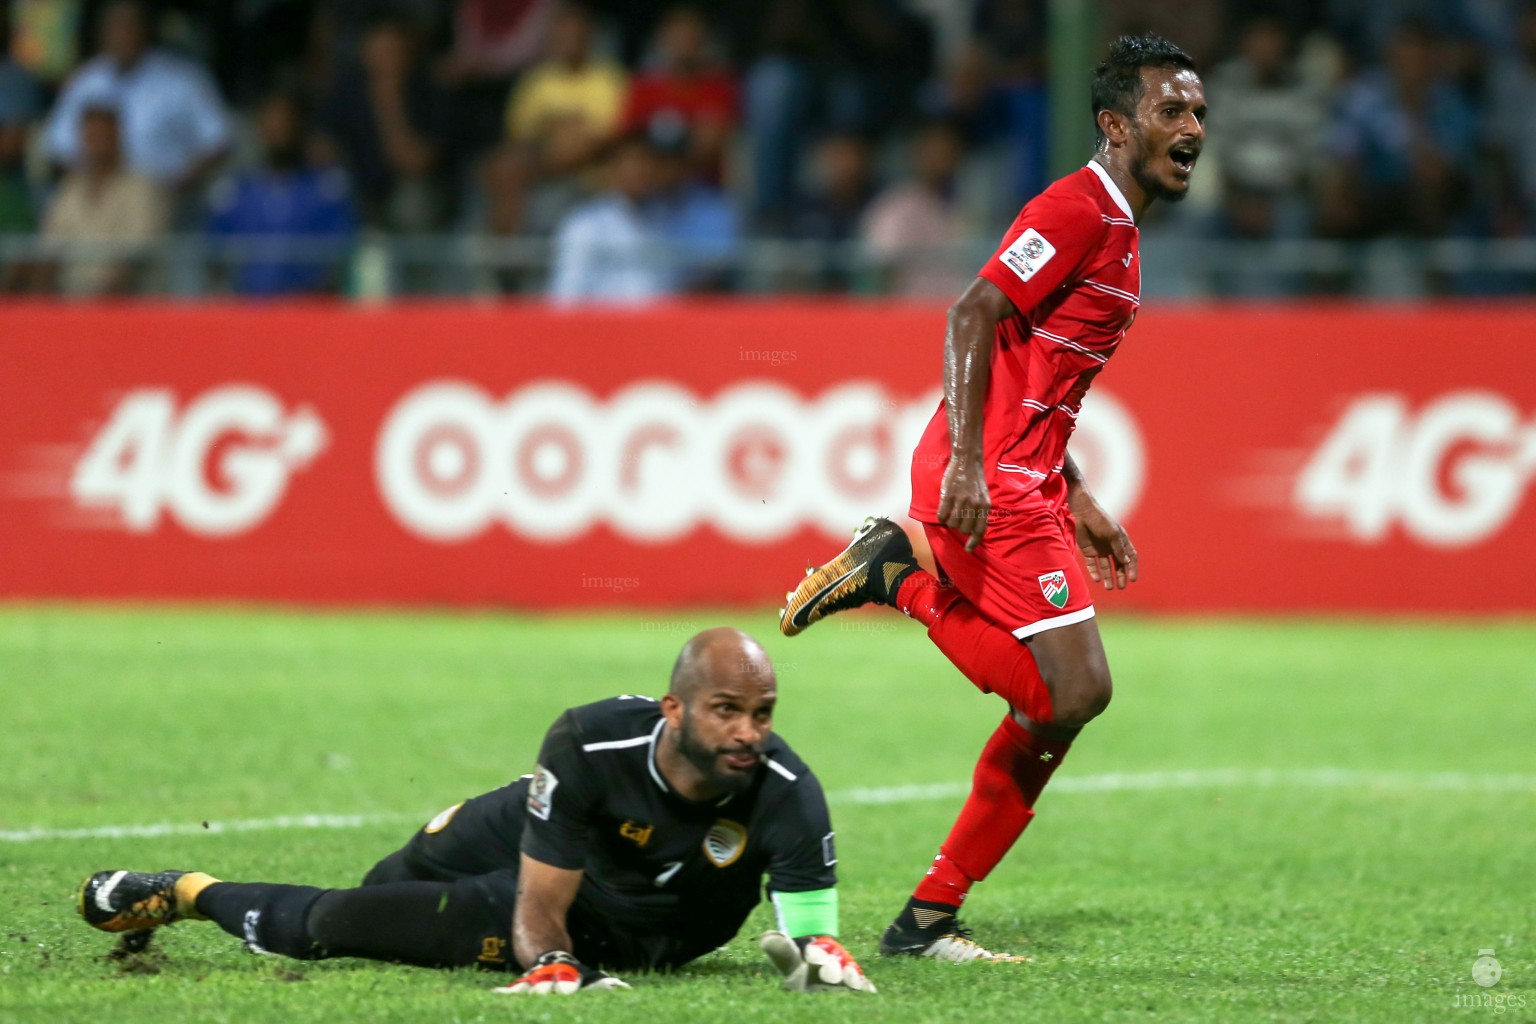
1070, 265
655, 862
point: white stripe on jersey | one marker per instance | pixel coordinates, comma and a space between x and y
771, 763
650, 760
634, 741
1112, 290
1074, 346
1032, 404
1114, 190
1004, 467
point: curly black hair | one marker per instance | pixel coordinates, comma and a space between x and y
1117, 81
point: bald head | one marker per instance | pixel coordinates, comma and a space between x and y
718, 712
722, 656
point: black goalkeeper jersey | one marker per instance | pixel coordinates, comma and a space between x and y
653, 861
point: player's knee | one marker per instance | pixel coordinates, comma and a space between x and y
327, 921
1082, 697
393, 868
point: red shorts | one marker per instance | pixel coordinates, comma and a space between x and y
1026, 575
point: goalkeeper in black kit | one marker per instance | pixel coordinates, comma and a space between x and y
639, 843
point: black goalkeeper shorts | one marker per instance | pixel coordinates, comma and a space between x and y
476, 847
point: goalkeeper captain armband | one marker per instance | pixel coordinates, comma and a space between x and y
557, 973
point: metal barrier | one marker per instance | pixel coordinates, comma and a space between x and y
378, 267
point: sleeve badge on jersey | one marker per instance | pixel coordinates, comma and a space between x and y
541, 792
440, 822
1028, 253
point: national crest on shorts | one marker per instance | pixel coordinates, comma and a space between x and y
1054, 586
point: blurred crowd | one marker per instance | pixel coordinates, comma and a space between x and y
645, 142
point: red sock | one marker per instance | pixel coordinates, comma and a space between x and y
922, 597
1014, 767
988, 654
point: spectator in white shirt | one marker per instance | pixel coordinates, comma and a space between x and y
914, 229
175, 128
101, 219
613, 248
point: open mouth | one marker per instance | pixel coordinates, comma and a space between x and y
1184, 157
741, 761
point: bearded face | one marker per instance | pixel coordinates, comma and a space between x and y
730, 764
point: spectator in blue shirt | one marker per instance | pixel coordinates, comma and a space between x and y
695, 218
20, 107
174, 125
1402, 147
294, 220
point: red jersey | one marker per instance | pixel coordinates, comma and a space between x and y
710, 97
1069, 262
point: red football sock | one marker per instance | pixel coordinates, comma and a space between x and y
1014, 767
988, 654
944, 883
922, 597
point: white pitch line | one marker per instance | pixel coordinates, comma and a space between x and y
286, 821
1120, 782
1108, 782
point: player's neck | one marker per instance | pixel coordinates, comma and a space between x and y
1121, 175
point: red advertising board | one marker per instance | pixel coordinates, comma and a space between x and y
1298, 459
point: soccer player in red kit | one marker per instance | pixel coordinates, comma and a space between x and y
1001, 501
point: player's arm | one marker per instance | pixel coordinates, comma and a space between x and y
562, 797
802, 882
1108, 553
540, 940
544, 896
973, 319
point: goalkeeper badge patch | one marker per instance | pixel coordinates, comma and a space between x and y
440, 822
1054, 586
541, 792
724, 842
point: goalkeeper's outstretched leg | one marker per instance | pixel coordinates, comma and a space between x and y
428, 924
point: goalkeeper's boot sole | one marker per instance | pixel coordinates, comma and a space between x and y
867, 571
130, 901
945, 940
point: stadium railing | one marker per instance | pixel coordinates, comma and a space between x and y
378, 267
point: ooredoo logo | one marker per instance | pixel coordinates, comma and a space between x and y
655, 461
1451, 474
219, 464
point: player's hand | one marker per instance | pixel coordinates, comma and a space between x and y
964, 500
557, 973
1108, 553
818, 963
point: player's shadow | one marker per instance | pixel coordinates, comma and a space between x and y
1049, 928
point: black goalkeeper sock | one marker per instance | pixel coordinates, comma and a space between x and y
429, 924
270, 918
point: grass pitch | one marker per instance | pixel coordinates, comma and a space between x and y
1274, 821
